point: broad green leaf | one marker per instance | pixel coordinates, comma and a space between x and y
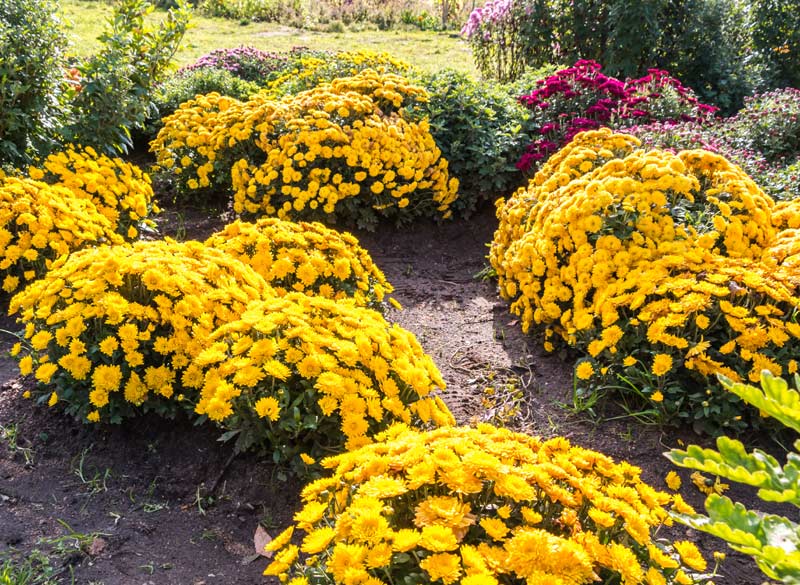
774, 398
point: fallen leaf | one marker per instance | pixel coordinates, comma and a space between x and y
97, 547
260, 540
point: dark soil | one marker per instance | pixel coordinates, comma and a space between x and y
162, 502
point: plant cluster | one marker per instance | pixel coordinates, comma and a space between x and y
189, 84
307, 374
113, 330
246, 63
662, 268
479, 130
342, 150
581, 98
120, 191
305, 257
772, 540
481, 506
769, 124
307, 69
40, 223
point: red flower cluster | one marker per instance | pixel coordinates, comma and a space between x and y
582, 98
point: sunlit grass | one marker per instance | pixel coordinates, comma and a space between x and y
429, 51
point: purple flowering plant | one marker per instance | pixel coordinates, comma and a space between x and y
245, 62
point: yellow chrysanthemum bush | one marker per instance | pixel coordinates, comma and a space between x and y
662, 268
342, 151
41, 222
305, 257
481, 506
305, 374
121, 191
111, 331
310, 69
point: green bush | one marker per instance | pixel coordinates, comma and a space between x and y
188, 84
117, 83
32, 45
772, 540
769, 124
478, 129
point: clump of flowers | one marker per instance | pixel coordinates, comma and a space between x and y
341, 150
582, 98
779, 180
121, 191
308, 69
305, 374
481, 506
245, 62
111, 331
40, 223
305, 257
663, 268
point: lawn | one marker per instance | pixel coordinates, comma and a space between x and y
427, 50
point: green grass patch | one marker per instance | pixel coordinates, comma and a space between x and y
430, 51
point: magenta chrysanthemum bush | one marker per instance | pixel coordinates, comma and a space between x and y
582, 98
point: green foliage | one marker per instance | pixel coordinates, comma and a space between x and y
770, 124
117, 83
773, 541
290, 11
699, 41
32, 45
776, 37
191, 83
478, 129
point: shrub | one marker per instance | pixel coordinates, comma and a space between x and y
309, 69
305, 257
189, 84
117, 84
120, 191
310, 156
663, 268
770, 539
478, 129
246, 63
33, 43
40, 223
769, 124
308, 374
582, 98
481, 505
113, 330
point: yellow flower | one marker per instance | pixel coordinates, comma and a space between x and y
662, 363
268, 407
690, 556
708, 486
53, 399
445, 566
584, 370
93, 416
673, 481
657, 396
